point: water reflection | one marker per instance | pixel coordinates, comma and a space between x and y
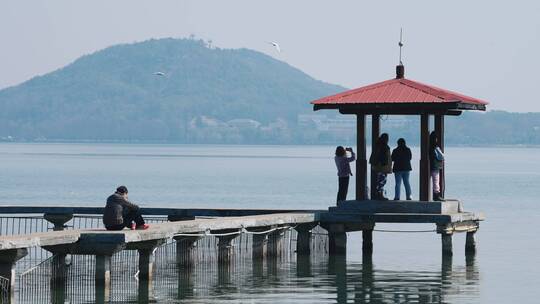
365, 283
289, 280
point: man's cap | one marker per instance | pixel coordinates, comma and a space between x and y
122, 190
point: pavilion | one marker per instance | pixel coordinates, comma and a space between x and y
399, 96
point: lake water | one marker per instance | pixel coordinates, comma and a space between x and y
407, 267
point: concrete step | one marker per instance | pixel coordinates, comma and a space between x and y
418, 207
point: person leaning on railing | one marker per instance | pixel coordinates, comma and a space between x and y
120, 213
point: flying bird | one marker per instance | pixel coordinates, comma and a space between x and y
159, 74
276, 45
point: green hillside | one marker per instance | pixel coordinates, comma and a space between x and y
114, 94
207, 95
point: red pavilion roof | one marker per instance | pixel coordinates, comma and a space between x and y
399, 91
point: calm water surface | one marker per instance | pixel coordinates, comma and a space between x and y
406, 267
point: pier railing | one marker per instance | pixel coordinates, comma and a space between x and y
54, 273
60, 243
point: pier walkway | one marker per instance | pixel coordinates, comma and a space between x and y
187, 226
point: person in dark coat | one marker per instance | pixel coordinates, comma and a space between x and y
436, 162
343, 170
121, 213
381, 164
401, 156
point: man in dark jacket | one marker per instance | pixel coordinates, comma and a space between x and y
120, 212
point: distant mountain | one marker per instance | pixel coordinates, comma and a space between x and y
183, 90
158, 90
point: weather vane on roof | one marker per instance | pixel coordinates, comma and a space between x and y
400, 44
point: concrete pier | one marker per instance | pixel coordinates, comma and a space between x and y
446, 241
146, 251
275, 243
367, 241
225, 252
8, 258
337, 238
266, 229
470, 242
259, 249
185, 247
303, 239
103, 278
58, 219
58, 278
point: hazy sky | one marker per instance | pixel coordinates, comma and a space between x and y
486, 49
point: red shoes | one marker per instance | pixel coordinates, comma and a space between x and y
141, 227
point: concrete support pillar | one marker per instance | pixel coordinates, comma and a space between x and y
58, 278
102, 246
259, 246
303, 266
446, 268
146, 264
337, 243
338, 267
185, 250
146, 267
225, 250
8, 259
58, 219
186, 289
303, 238
470, 243
446, 239
275, 243
103, 278
367, 242
146, 250
337, 239
303, 242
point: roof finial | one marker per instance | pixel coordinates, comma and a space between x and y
400, 69
400, 44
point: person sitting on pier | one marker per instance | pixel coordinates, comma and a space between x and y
436, 159
381, 164
401, 156
343, 171
121, 213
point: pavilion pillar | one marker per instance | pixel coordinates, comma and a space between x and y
439, 130
425, 193
361, 162
375, 131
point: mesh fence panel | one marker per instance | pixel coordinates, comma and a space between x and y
35, 285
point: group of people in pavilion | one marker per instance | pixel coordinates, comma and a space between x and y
384, 162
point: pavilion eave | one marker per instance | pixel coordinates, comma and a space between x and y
446, 108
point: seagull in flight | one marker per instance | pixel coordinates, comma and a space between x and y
276, 45
159, 74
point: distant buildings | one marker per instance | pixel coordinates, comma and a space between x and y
244, 123
345, 123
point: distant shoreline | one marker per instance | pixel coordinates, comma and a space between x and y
157, 142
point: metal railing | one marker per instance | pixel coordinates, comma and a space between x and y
170, 280
4, 290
